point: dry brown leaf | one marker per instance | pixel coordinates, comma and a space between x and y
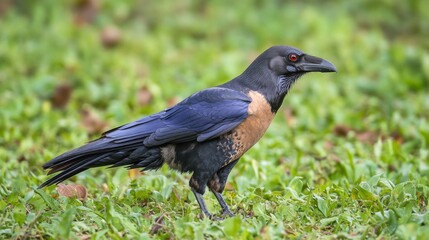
289, 232
397, 137
144, 96
85, 11
228, 186
4, 6
61, 95
368, 137
22, 158
105, 188
157, 225
172, 101
134, 173
342, 130
72, 190
289, 116
263, 232
92, 122
334, 157
85, 237
110, 36
328, 145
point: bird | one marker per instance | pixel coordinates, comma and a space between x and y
205, 134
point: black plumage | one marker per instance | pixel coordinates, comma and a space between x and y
206, 133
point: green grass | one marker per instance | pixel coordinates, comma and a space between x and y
346, 157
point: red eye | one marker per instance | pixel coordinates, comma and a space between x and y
293, 57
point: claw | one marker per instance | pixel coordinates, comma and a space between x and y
205, 213
227, 213
214, 218
225, 209
210, 216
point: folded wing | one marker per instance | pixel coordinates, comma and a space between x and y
203, 116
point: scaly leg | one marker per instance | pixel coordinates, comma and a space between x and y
201, 203
225, 208
217, 185
198, 184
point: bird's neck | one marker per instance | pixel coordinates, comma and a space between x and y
262, 83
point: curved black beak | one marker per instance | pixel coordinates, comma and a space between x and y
315, 64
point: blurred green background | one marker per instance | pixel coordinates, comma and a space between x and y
346, 157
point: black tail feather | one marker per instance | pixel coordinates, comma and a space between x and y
71, 171
93, 148
95, 154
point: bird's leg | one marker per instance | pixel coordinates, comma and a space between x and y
201, 203
198, 184
217, 185
225, 208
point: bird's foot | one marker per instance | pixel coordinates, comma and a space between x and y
225, 209
215, 218
210, 216
204, 211
227, 213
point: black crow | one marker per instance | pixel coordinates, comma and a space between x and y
205, 134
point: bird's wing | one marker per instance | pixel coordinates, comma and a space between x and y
204, 115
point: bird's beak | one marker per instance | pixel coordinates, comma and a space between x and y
315, 64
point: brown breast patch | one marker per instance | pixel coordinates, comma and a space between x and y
250, 130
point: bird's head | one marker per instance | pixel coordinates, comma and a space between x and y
275, 70
289, 61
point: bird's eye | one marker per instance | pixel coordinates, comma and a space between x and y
293, 57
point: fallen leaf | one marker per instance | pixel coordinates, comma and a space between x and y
289, 116
263, 232
368, 137
228, 186
328, 145
289, 232
110, 37
135, 173
334, 157
342, 130
92, 122
392, 168
85, 11
72, 190
61, 95
397, 137
85, 237
4, 6
105, 188
22, 158
144, 96
172, 101
158, 225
